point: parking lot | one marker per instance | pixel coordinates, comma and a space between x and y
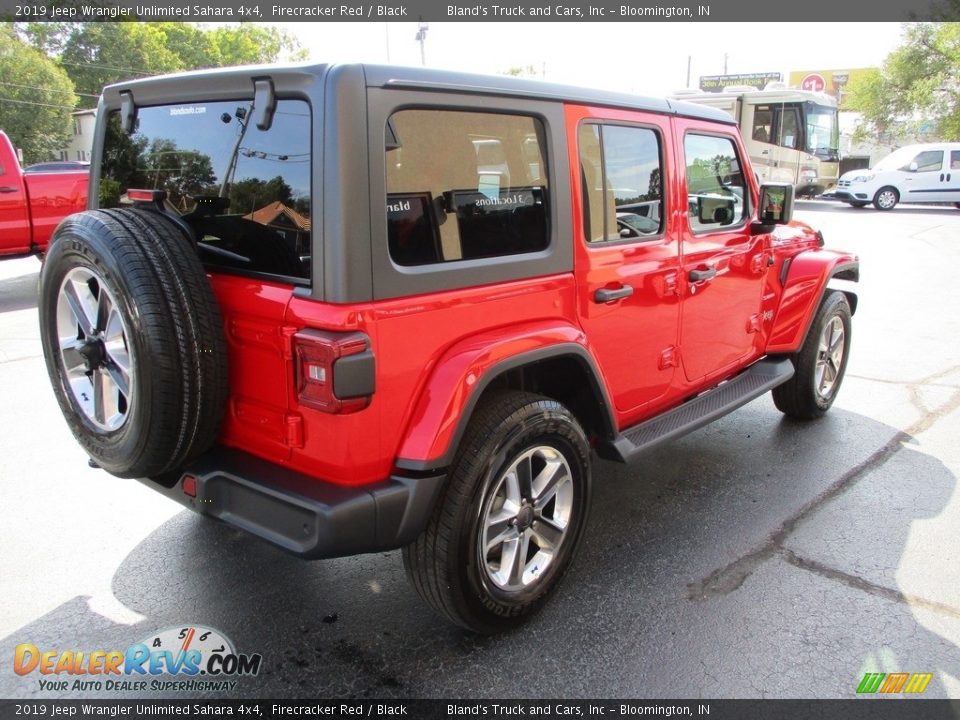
757, 557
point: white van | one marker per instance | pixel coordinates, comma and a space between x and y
928, 173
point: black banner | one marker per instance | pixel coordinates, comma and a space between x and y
860, 709
480, 10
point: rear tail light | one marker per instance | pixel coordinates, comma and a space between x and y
335, 372
146, 196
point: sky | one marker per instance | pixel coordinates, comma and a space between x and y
634, 57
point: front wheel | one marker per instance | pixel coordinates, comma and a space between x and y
886, 198
508, 524
821, 363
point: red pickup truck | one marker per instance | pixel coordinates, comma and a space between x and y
32, 205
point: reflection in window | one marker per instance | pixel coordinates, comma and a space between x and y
244, 191
715, 183
621, 175
762, 124
464, 185
929, 161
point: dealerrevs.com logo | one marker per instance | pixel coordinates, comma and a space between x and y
189, 658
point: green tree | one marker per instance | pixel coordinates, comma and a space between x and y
97, 54
36, 98
250, 44
517, 71
917, 91
179, 172
253, 193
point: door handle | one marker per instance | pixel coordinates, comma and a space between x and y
605, 295
8, 189
701, 275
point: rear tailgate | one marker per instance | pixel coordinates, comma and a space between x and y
51, 197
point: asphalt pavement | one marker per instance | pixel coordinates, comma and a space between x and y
758, 557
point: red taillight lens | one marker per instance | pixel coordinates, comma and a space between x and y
189, 485
335, 371
147, 196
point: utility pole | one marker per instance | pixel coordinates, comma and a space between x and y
725, 56
421, 38
689, 60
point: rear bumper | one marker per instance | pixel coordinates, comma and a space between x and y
303, 515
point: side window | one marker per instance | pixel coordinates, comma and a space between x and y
464, 185
762, 124
716, 188
789, 129
955, 159
621, 174
928, 161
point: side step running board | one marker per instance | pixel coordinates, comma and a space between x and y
697, 412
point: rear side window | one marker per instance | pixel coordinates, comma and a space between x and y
464, 186
716, 187
621, 174
245, 191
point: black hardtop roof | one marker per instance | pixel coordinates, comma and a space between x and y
431, 79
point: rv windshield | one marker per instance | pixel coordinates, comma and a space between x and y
823, 132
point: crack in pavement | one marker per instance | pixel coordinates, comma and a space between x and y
858, 583
728, 578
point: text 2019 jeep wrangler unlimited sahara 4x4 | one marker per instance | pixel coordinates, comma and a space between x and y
356, 308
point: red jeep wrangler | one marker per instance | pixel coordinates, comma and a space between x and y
353, 308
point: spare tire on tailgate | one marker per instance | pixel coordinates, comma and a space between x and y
133, 340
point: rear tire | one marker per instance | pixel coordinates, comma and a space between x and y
508, 523
133, 340
821, 363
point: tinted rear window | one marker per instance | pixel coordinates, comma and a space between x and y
246, 192
464, 185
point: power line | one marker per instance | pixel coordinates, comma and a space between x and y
107, 67
34, 87
38, 104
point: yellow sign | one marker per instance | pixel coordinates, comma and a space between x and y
832, 82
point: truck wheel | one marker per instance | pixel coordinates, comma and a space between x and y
510, 518
820, 364
886, 198
133, 340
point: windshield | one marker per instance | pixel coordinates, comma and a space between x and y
823, 132
244, 191
897, 159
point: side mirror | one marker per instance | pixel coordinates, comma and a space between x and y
914, 167
776, 207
